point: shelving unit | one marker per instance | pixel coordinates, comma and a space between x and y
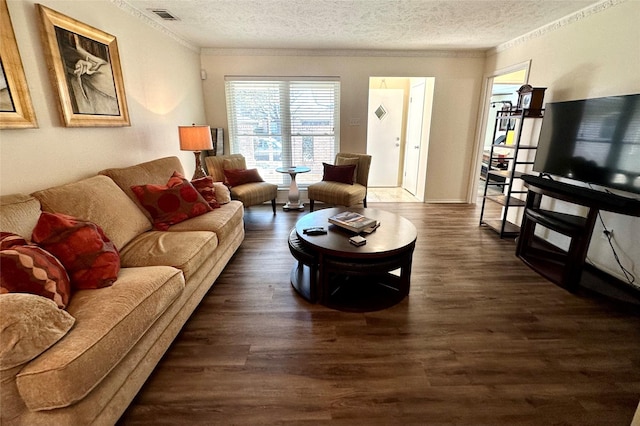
512, 120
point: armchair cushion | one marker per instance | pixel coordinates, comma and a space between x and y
345, 161
236, 162
235, 177
342, 174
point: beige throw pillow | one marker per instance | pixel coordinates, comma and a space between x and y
234, 163
347, 161
29, 325
223, 196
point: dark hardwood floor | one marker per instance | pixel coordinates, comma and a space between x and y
480, 340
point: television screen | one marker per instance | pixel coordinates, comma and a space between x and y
595, 141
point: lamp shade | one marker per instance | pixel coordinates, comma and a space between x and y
195, 138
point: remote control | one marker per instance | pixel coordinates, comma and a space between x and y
316, 230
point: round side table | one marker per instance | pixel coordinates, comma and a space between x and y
294, 194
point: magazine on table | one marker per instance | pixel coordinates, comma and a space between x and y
352, 221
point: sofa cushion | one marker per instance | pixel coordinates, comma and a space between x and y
223, 221
155, 172
186, 251
172, 203
90, 258
109, 322
99, 200
32, 269
29, 325
19, 214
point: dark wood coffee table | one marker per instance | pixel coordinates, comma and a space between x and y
349, 277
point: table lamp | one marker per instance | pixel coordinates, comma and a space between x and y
197, 139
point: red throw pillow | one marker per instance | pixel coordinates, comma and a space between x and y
204, 186
31, 269
90, 258
235, 177
342, 174
8, 240
172, 203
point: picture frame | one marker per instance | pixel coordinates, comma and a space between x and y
505, 124
16, 109
84, 67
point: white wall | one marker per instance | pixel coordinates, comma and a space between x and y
163, 88
458, 82
597, 55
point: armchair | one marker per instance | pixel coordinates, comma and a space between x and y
339, 193
249, 193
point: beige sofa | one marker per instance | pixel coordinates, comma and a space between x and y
120, 333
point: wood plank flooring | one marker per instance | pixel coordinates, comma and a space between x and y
480, 340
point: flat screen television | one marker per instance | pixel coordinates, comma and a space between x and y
596, 141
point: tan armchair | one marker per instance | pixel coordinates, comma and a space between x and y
343, 194
248, 193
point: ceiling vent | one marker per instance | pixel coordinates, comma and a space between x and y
164, 14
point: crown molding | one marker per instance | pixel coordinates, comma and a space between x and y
122, 4
345, 52
560, 23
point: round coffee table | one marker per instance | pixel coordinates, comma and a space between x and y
368, 277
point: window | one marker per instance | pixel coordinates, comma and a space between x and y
284, 122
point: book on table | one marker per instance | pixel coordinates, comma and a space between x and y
352, 221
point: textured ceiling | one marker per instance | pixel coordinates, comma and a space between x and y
355, 24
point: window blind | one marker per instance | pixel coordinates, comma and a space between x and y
276, 122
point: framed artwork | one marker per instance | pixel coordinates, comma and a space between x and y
84, 66
506, 124
16, 110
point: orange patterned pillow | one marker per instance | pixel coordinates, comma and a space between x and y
27, 268
203, 185
90, 258
172, 203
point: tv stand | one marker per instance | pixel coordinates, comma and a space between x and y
564, 267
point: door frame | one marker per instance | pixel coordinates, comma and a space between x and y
426, 127
485, 105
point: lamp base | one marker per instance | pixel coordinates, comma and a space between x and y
199, 172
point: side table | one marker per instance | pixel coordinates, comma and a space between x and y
294, 194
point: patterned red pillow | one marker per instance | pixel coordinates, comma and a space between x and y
235, 177
342, 174
203, 185
8, 240
26, 268
172, 203
91, 259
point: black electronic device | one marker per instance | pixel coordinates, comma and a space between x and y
595, 141
316, 230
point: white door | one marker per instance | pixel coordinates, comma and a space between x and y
414, 137
384, 130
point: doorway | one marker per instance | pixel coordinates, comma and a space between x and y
398, 139
500, 92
